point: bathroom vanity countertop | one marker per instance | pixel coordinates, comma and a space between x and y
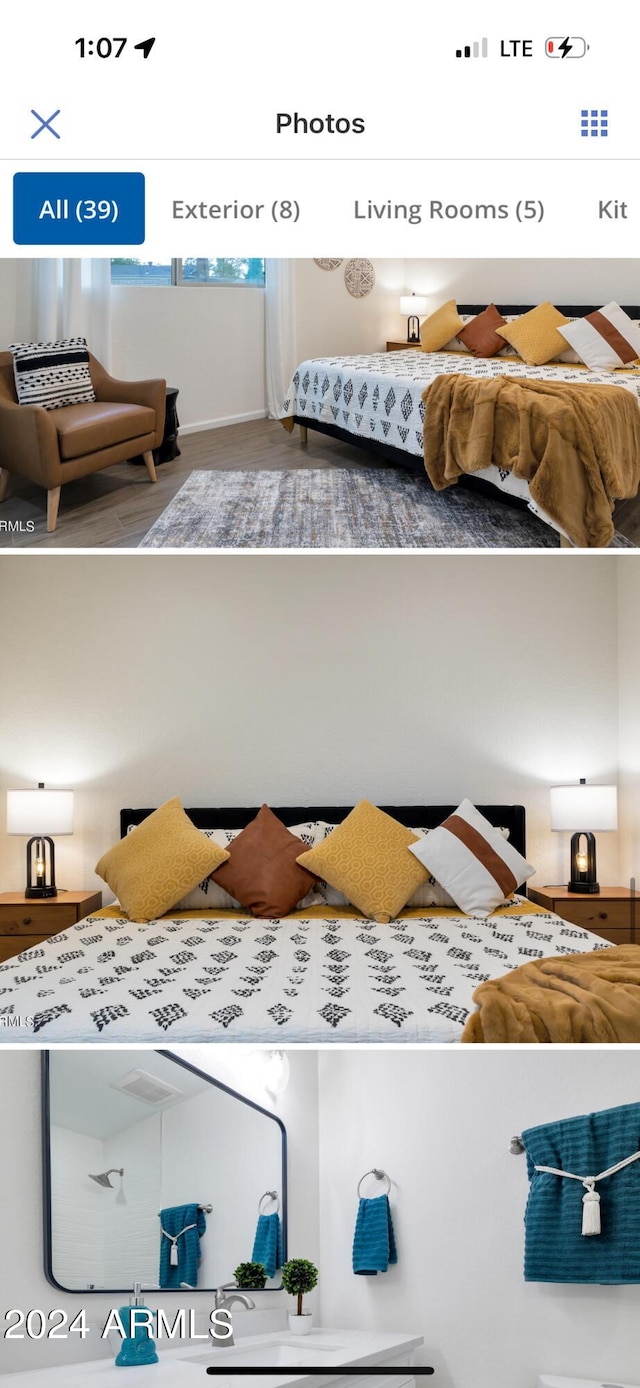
331, 1350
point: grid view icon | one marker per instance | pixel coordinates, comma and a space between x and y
594, 124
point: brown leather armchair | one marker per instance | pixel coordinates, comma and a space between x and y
51, 447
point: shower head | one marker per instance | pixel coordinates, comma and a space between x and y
103, 1178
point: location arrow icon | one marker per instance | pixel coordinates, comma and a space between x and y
145, 46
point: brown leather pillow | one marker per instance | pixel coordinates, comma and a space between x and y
480, 334
262, 872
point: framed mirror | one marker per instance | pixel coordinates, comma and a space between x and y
129, 1136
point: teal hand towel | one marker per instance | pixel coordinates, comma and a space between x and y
374, 1243
181, 1227
267, 1245
556, 1250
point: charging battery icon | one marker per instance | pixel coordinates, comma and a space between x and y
565, 48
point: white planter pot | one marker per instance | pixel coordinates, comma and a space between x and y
301, 1325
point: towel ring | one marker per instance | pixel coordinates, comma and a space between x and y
269, 1195
379, 1175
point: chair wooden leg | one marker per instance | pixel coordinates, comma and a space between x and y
150, 466
304, 435
5, 482
53, 502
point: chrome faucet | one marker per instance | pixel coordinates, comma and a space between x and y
222, 1302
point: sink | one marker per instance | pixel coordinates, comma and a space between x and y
283, 1354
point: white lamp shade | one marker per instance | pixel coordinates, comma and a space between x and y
33, 812
413, 303
584, 808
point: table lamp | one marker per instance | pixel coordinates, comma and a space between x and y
40, 813
573, 806
413, 305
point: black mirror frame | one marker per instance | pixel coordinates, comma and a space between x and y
46, 1178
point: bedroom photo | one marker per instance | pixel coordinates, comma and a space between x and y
320, 799
308, 404
370, 1212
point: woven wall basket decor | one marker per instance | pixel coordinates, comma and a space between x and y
359, 277
328, 264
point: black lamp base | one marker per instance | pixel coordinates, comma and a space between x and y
413, 328
41, 867
583, 865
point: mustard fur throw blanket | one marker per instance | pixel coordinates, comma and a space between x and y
576, 997
578, 446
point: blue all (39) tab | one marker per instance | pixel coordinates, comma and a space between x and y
78, 209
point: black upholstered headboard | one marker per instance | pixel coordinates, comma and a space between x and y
569, 310
511, 817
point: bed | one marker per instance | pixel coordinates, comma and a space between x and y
325, 974
375, 401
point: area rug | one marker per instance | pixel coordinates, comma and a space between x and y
339, 508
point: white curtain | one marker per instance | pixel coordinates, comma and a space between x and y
72, 298
280, 331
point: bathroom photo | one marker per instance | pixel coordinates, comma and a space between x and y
377, 1215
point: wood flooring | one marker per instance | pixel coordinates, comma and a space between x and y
115, 508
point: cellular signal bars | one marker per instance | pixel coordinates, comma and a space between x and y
474, 50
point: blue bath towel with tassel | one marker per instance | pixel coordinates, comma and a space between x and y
374, 1242
267, 1245
173, 1221
556, 1250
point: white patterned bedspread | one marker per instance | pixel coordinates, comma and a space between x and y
325, 975
380, 396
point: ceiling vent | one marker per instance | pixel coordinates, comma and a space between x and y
139, 1084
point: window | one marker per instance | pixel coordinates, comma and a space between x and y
220, 271
125, 270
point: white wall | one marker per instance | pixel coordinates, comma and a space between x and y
439, 1123
629, 667
130, 1210
525, 281
22, 1280
209, 342
308, 679
330, 321
77, 1208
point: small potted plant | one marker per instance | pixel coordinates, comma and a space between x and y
299, 1276
251, 1275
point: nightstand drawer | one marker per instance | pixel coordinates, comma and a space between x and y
40, 920
16, 944
610, 919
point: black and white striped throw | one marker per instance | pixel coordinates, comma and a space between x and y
52, 374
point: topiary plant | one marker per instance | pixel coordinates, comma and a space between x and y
250, 1275
299, 1276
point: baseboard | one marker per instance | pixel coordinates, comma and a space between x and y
205, 424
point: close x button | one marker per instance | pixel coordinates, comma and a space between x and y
78, 209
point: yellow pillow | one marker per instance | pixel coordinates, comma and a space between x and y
158, 862
367, 858
535, 336
440, 327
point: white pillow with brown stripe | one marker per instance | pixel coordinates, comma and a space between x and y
604, 340
472, 861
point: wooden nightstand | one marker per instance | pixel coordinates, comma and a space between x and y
403, 346
25, 922
612, 913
